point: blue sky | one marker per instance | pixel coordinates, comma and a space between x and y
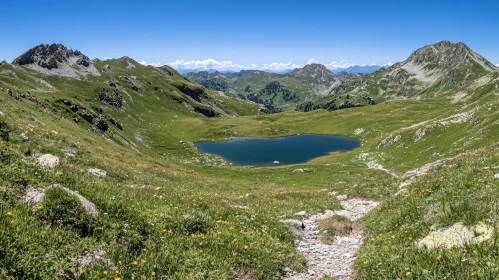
249, 33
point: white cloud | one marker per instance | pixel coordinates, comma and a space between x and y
278, 66
312, 61
497, 65
388, 64
210, 63
339, 64
151, 64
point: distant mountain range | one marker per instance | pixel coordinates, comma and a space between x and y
356, 69
429, 71
276, 91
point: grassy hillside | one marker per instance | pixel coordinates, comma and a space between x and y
164, 210
278, 92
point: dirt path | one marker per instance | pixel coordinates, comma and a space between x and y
333, 260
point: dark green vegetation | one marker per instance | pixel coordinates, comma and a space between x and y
429, 71
166, 210
277, 92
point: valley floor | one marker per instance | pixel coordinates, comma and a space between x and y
162, 210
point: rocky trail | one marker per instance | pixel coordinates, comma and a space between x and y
333, 260
336, 260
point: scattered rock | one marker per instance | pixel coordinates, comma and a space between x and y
496, 176
33, 196
301, 213
358, 131
24, 137
89, 258
298, 170
89, 117
276, 162
97, 172
101, 124
125, 79
48, 160
456, 235
87, 205
239, 206
390, 140
116, 123
2, 114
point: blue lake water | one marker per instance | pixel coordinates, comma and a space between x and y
285, 150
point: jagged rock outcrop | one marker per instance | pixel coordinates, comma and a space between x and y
56, 59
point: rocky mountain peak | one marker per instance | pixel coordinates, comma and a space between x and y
314, 66
317, 72
52, 56
446, 53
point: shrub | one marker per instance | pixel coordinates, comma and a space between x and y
197, 222
62, 209
4, 130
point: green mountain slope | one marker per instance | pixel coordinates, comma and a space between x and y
276, 91
429, 71
167, 211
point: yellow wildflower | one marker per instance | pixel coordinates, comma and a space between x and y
9, 213
105, 272
153, 273
135, 262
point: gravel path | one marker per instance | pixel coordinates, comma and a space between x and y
333, 260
